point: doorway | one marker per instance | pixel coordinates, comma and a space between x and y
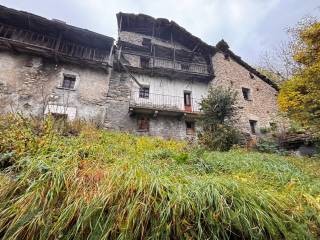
187, 101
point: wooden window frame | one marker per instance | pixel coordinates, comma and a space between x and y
143, 124
144, 92
69, 82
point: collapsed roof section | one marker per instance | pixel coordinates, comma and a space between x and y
161, 28
16, 23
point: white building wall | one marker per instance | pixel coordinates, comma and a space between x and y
169, 92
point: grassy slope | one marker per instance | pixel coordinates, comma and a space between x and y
103, 185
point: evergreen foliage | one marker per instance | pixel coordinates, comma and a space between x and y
218, 119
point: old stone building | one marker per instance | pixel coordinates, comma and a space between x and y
49, 66
150, 82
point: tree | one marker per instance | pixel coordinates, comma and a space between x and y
300, 96
218, 119
279, 64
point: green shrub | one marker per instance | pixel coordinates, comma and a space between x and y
181, 158
265, 130
218, 120
270, 145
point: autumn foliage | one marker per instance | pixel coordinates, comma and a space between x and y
300, 95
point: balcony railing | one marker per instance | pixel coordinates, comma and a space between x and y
180, 66
45, 42
164, 103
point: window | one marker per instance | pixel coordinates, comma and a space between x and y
253, 126
246, 94
146, 42
227, 56
144, 92
187, 98
68, 81
143, 124
251, 75
190, 128
144, 62
185, 66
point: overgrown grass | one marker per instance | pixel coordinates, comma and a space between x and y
84, 183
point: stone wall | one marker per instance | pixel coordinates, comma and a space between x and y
137, 38
29, 83
117, 108
118, 117
262, 105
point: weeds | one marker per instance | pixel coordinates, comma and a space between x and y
102, 185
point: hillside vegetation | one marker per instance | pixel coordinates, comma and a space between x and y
84, 183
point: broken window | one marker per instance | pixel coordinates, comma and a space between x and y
68, 81
144, 62
185, 66
253, 126
190, 128
246, 94
144, 92
143, 123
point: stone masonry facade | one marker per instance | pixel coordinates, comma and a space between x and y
262, 103
149, 83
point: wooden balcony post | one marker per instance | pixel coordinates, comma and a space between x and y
57, 46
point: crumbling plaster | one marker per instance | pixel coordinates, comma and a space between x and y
28, 83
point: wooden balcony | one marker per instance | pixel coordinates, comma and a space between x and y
180, 66
163, 104
29, 41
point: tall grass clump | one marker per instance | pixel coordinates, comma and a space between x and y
97, 184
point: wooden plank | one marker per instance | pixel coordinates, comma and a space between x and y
1, 28
57, 46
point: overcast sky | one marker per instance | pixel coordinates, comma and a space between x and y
249, 26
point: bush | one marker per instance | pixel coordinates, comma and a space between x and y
270, 145
218, 120
219, 137
265, 130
